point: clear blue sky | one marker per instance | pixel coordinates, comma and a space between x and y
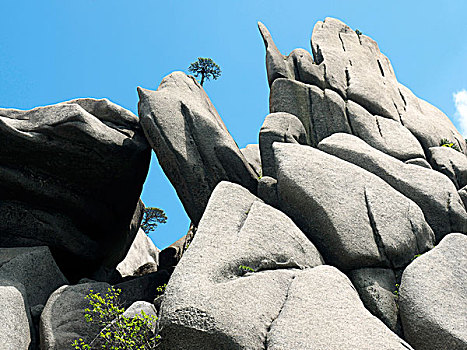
52, 51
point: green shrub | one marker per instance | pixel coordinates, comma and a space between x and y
447, 143
245, 269
118, 332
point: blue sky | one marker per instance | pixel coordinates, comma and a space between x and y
52, 51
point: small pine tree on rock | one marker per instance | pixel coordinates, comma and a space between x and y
151, 218
206, 68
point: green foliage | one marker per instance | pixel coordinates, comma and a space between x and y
396, 292
151, 218
206, 68
416, 256
161, 289
358, 32
245, 269
447, 143
118, 332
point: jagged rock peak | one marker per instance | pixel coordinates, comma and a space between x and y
351, 65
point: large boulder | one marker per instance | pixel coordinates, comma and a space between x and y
432, 191
322, 310
348, 85
433, 297
451, 163
35, 269
142, 252
62, 320
278, 127
191, 142
354, 218
70, 178
233, 279
15, 319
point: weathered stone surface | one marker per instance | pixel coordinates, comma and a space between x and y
432, 191
433, 299
384, 134
451, 163
322, 112
352, 65
191, 142
211, 302
376, 288
142, 251
419, 161
354, 218
463, 195
15, 319
70, 178
170, 256
35, 269
267, 190
428, 123
278, 127
62, 320
253, 157
299, 65
323, 311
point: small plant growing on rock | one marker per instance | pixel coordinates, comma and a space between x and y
447, 143
396, 292
358, 32
161, 289
118, 332
245, 269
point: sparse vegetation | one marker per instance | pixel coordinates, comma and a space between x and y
448, 143
358, 32
245, 269
118, 332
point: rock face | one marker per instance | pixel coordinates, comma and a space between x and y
433, 192
70, 178
354, 218
35, 269
323, 311
433, 297
142, 251
233, 279
376, 287
15, 319
62, 320
191, 142
451, 163
349, 86
253, 157
278, 127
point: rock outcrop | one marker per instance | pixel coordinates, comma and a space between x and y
451, 163
233, 280
278, 127
70, 178
354, 218
191, 142
142, 252
348, 172
349, 86
432, 191
433, 297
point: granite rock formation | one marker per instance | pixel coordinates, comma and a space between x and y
71, 175
321, 236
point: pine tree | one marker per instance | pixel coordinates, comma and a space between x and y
206, 68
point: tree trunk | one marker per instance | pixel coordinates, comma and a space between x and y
202, 79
